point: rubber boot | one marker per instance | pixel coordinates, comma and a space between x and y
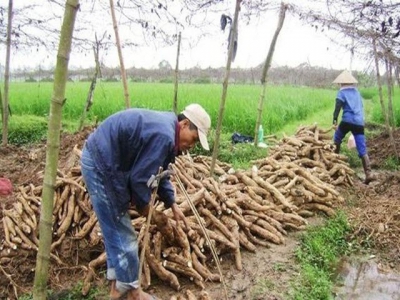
337, 149
367, 169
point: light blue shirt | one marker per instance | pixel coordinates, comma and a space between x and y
353, 109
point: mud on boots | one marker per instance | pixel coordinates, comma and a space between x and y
367, 169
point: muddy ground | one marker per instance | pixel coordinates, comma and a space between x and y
373, 211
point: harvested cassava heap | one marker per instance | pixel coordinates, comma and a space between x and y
239, 209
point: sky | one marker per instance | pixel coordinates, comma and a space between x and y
297, 43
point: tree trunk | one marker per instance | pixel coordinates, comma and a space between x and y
383, 107
52, 152
175, 105
5, 101
389, 83
397, 74
121, 59
232, 36
379, 81
266, 67
89, 99
391, 115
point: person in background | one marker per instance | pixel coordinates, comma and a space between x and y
350, 101
117, 160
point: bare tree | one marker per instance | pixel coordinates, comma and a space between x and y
97, 73
383, 106
33, 27
121, 59
5, 100
266, 67
232, 35
52, 152
175, 104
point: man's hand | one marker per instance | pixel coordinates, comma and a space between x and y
178, 215
335, 125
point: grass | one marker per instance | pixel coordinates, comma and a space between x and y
391, 163
261, 288
376, 111
71, 294
239, 155
319, 251
284, 107
283, 104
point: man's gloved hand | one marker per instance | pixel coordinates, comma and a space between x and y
154, 180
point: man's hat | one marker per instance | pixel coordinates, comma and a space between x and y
345, 77
200, 118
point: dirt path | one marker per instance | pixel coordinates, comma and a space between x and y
265, 275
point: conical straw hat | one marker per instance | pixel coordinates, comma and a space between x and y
345, 77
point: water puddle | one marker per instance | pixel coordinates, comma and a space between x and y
365, 280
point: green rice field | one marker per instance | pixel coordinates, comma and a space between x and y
283, 104
285, 107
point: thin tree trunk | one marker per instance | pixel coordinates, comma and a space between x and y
89, 99
5, 112
379, 81
52, 152
121, 59
397, 74
383, 107
232, 36
390, 108
389, 83
175, 105
351, 56
253, 80
266, 67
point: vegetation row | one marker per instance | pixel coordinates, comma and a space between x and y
30, 102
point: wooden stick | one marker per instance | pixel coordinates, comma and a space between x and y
146, 233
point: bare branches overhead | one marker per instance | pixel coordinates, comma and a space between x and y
357, 21
142, 22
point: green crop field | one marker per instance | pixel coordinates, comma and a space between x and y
283, 104
285, 107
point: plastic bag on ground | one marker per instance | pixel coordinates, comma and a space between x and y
351, 142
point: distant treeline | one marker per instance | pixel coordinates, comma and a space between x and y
302, 75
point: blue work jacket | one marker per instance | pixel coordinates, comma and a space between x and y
353, 110
130, 146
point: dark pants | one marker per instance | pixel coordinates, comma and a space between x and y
358, 133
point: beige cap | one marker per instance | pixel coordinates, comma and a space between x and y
345, 77
200, 118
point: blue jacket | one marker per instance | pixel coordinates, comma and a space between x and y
352, 105
130, 146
